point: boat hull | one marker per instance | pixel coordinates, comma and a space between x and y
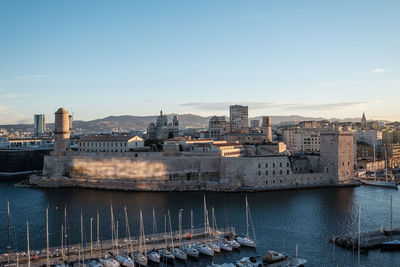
380, 183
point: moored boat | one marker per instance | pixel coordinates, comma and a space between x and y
153, 256
391, 245
249, 262
190, 251
204, 249
124, 260
273, 256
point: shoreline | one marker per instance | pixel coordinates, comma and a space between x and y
130, 186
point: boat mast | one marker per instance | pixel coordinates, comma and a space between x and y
205, 214
247, 218
142, 234
112, 228
98, 229
154, 222
62, 243
128, 230
91, 235
82, 249
27, 241
391, 217
374, 164
359, 234
180, 225
65, 228
165, 231
191, 221
170, 229
116, 239
47, 237
386, 173
8, 243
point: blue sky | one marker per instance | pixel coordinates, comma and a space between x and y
100, 58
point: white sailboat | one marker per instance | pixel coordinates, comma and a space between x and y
204, 248
165, 253
187, 248
141, 257
375, 182
179, 254
245, 240
124, 259
109, 261
153, 255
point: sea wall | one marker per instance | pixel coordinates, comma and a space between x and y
124, 171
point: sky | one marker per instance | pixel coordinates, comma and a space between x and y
280, 57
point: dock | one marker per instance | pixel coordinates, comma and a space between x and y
369, 239
99, 248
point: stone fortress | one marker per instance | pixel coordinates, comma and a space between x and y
183, 171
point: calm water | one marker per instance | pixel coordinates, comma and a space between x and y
281, 219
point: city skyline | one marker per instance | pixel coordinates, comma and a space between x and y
310, 58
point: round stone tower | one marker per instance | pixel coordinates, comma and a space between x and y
61, 131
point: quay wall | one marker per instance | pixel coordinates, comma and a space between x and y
127, 171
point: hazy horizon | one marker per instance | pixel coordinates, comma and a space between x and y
99, 58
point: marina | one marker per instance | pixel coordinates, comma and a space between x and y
280, 219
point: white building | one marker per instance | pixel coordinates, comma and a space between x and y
306, 141
110, 143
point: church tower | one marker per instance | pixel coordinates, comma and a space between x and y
364, 122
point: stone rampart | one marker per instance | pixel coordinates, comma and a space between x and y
173, 173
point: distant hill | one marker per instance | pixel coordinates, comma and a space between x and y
142, 122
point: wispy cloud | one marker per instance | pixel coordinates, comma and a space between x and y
223, 106
13, 95
32, 76
378, 70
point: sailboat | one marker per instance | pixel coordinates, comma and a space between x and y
165, 253
179, 254
109, 261
203, 248
124, 259
140, 256
153, 255
375, 182
392, 244
188, 248
245, 240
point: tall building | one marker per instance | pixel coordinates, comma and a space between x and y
218, 127
39, 124
337, 155
239, 119
267, 128
61, 131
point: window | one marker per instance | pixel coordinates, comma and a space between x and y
287, 171
280, 172
287, 164
273, 172
259, 165
266, 165
273, 165
259, 173
266, 172
266, 182
280, 164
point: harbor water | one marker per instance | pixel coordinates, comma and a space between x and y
281, 219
